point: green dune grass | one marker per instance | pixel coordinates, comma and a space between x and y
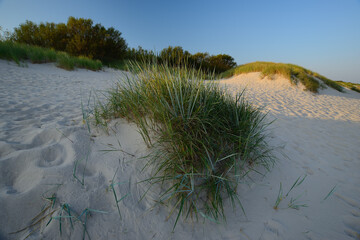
19, 52
311, 80
353, 86
203, 140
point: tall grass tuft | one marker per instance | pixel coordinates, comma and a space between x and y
87, 63
65, 61
311, 80
19, 52
203, 140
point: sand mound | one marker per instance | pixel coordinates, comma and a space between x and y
42, 138
280, 97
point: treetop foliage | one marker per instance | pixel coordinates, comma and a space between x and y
176, 56
79, 37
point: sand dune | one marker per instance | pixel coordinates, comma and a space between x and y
42, 136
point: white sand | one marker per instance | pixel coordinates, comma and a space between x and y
42, 135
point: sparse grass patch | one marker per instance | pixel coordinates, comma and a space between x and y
203, 140
19, 52
293, 203
62, 212
311, 80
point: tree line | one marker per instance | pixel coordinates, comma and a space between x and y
80, 37
177, 56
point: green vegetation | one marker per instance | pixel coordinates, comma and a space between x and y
19, 52
353, 86
65, 214
311, 80
78, 37
293, 203
177, 57
203, 140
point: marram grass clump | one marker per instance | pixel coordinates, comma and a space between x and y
18, 52
311, 80
203, 139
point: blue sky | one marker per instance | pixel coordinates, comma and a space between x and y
322, 35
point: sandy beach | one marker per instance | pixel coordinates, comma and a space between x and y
43, 137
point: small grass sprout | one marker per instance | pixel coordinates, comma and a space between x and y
330, 193
279, 198
45, 215
293, 201
77, 162
114, 149
112, 188
86, 213
294, 204
64, 211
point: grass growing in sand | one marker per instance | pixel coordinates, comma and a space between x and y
353, 86
62, 212
293, 203
203, 140
18, 52
311, 80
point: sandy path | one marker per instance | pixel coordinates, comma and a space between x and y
42, 136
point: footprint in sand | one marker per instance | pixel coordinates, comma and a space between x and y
18, 173
351, 221
273, 230
53, 155
45, 137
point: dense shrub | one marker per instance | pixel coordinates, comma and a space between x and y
79, 37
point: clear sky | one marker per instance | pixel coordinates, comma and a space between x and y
322, 35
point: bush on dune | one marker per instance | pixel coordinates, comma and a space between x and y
203, 139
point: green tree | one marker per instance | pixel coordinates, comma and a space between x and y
78, 37
221, 63
79, 31
174, 56
27, 33
201, 60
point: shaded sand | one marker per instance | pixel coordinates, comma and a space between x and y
42, 136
